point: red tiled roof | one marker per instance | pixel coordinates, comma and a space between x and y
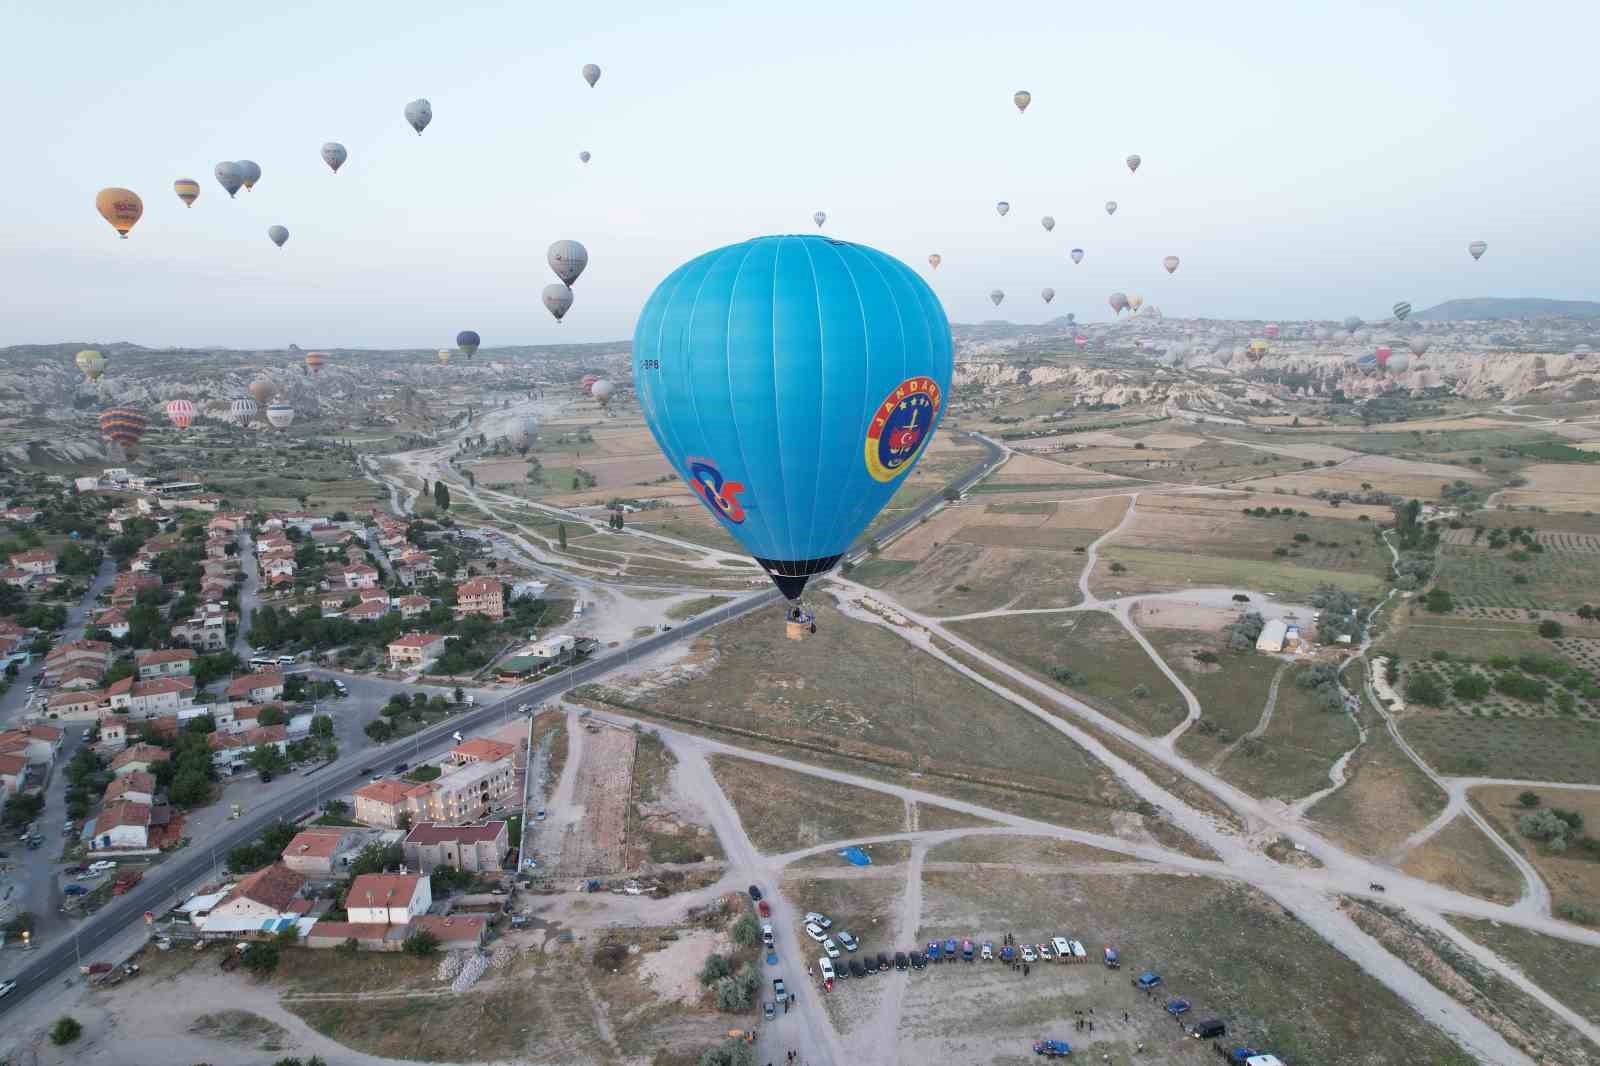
415, 640
12, 765
317, 841
170, 655
75, 699
437, 833
124, 812
33, 555
483, 749
479, 586
141, 753
385, 791
382, 890
451, 928
134, 781
242, 686
274, 886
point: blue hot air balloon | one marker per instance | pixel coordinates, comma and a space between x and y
793, 382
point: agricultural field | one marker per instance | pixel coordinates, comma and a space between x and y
782, 810
1574, 874
1570, 487
1123, 571
1214, 462
1088, 654
1551, 579
1233, 952
832, 695
1533, 749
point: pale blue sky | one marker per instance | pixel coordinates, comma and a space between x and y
1302, 159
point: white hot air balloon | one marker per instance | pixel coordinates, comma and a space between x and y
1077, 255
591, 74
334, 154
1111, 207
557, 300
997, 295
602, 390
1171, 263
1048, 223
277, 235
567, 260
1002, 207
280, 415
1047, 294
419, 113
819, 217
1476, 249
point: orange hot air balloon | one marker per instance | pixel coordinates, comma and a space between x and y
124, 426
314, 361
263, 390
120, 207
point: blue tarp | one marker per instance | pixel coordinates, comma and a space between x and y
856, 857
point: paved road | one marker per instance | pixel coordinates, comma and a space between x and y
160, 887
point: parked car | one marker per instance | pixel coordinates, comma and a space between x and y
1176, 1007
1210, 1029
821, 919
768, 1010
1113, 960
883, 962
6, 986
1078, 950
848, 942
766, 934
1044, 952
987, 954
918, 960
858, 970
841, 971
763, 908
1028, 953
1008, 953
755, 893
1062, 949
1147, 980
967, 948
1052, 1049
825, 967
778, 988
814, 931
950, 948
934, 951
830, 947
74, 890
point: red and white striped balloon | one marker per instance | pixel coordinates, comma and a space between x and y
180, 413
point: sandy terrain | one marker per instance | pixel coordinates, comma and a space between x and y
1183, 614
1558, 486
1318, 453
595, 825
1384, 465
1234, 502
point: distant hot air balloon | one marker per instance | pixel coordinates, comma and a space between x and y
525, 432
588, 382
819, 217
1382, 355
1272, 331
1003, 208
1118, 301
796, 481
567, 260
278, 235
120, 207
1135, 301
1352, 323
1048, 223
180, 413
444, 355
242, 410
91, 362
1111, 207
1171, 263
468, 340
1419, 346
1047, 294
1133, 164
250, 171
230, 176
1367, 364
591, 74
419, 113
188, 190
1022, 98
334, 155
602, 390
1257, 349
557, 300
583, 157
997, 295
1402, 310
263, 389
279, 415
1081, 341
1077, 255
1477, 248
124, 426
934, 260
1399, 363
314, 362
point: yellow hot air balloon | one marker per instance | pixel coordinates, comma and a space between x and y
1022, 99
1136, 301
188, 190
91, 362
120, 207
444, 355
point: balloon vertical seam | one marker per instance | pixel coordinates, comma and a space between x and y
777, 406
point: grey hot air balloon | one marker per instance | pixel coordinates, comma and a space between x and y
1047, 294
1003, 208
1399, 363
1402, 310
1077, 255
1419, 346
591, 74
602, 390
251, 172
1133, 164
334, 155
1118, 301
419, 113
1111, 207
1048, 223
567, 260
997, 295
1352, 323
278, 235
557, 299
1477, 248
583, 157
819, 217
1171, 263
230, 177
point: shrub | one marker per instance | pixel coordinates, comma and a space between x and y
421, 944
260, 958
1546, 826
65, 1031
1470, 687
1550, 629
715, 969
732, 996
1423, 688
1205, 656
1572, 912
1439, 601
746, 930
1529, 798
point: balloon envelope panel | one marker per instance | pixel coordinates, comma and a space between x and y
793, 382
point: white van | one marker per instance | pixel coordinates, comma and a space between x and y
1063, 949
286, 660
825, 964
262, 661
102, 866
1078, 953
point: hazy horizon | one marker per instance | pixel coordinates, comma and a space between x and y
1302, 163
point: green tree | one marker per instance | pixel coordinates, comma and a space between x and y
322, 727
561, 535
715, 968
1423, 687
421, 944
441, 495
1550, 629
1470, 687
379, 730
746, 930
731, 1052
189, 788
260, 958
376, 858
65, 1031
1439, 601
1528, 798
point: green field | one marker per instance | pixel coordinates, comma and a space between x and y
1107, 667
1535, 749
1551, 580
1161, 571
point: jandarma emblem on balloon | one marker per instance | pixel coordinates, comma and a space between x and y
901, 426
720, 494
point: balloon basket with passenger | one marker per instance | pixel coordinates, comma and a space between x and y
799, 622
